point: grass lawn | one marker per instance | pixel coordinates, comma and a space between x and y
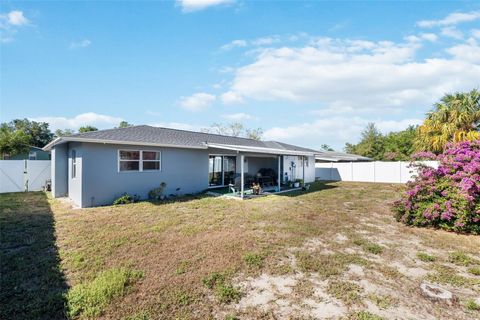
334, 252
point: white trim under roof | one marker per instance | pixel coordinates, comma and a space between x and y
259, 149
103, 141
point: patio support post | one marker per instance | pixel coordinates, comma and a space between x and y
279, 173
242, 179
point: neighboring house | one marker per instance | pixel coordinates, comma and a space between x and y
94, 168
34, 153
333, 156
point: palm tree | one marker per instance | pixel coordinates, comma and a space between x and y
455, 118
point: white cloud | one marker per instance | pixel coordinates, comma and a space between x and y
356, 74
266, 40
452, 33
238, 116
100, 121
231, 97
16, 18
451, 19
196, 5
9, 24
469, 51
80, 44
429, 36
197, 102
334, 131
234, 44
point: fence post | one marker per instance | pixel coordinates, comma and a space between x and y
351, 170
25, 175
400, 162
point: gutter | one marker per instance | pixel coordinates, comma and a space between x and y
259, 149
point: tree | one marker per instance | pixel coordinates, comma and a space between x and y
124, 124
326, 147
234, 129
13, 142
255, 134
455, 118
371, 144
64, 132
87, 129
395, 146
38, 132
399, 146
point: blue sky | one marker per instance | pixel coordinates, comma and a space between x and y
308, 73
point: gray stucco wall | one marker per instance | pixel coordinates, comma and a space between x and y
186, 169
59, 165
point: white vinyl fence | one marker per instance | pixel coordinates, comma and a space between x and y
23, 175
375, 171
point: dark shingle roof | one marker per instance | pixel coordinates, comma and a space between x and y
176, 137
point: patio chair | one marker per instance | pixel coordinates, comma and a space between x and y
237, 185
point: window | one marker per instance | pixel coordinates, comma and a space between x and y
129, 160
74, 163
32, 155
136, 160
151, 160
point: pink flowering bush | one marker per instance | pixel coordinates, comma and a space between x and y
447, 197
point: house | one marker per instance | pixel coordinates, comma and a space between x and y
34, 153
94, 168
334, 156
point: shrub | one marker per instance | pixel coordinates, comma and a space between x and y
447, 197
157, 193
126, 198
89, 299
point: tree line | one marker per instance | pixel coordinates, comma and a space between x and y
455, 118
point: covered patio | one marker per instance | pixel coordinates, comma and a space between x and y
246, 172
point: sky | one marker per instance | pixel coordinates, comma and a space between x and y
307, 73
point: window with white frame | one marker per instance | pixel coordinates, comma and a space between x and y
138, 160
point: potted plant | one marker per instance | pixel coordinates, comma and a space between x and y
297, 183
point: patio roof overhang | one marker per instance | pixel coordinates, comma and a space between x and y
249, 149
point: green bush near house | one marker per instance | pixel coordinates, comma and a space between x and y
126, 199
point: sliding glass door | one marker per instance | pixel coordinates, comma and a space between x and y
221, 170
